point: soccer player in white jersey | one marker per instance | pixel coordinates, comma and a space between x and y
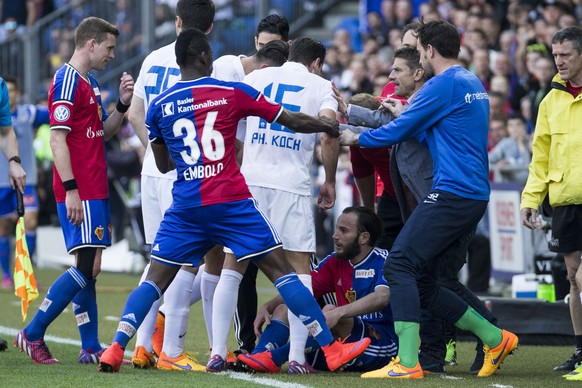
160, 71
276, 166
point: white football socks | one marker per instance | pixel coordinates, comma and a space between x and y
224, 306
297, 331
177, 310
207, 288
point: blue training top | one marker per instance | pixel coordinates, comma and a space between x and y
452, 111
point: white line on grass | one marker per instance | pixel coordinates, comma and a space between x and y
263, 380
449, 377
51, 338
233, 375
501, 386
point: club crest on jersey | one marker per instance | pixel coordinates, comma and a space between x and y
351, 295
62, 113
99, 232
168, 109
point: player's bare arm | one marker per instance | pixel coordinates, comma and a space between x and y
62, 160
376, 301
162, 156
349, 138
330, 149
264, 314
9, 147
300, 122
113, 122
136, 116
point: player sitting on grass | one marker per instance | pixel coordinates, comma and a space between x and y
354, 273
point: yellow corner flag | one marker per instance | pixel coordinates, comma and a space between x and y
24, 281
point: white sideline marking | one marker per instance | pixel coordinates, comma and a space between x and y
263, 380
51, 338
449, 377
233, 375
501, 386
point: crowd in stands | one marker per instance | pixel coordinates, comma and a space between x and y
506, 44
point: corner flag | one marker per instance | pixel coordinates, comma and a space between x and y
24, 281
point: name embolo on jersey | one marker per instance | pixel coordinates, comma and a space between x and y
197, 120
351, 283
75, 105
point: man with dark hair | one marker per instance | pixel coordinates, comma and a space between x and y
451, 111
79, 127
555, 172
353, 272
271, 27
276, 167
211, 201
158, 72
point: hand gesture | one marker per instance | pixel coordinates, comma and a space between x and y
332, 126
392, 105
326, 197
126, 89
342, 107
74, 207
263, 317
348, 138
17, 176
529, 218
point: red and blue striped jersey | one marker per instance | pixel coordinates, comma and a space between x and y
197, 121
352, 282
75, 105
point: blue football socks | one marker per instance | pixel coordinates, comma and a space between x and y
136, 308
275, 335
60, 294
301, 303
85, 309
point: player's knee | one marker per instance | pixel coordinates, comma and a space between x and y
86, 261
280, 313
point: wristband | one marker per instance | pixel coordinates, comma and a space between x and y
15, 159
121, 107
71, 184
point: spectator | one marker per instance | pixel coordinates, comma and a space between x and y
511, 156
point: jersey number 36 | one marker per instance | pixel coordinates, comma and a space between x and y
212, 142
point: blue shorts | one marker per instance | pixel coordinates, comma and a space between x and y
185, 236
8, 200
95, 231
383, 347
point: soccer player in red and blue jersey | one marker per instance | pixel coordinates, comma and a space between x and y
353, 273
79, 128
194, 122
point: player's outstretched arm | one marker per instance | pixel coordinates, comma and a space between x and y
300, 122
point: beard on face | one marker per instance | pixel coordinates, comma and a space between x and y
350, 250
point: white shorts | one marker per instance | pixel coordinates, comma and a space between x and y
156, 198
292, 216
